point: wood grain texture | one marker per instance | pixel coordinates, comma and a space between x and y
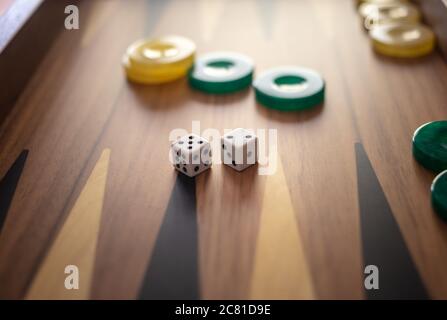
280, 268
28, 26
75, 243
78, 103
400, 96
383, 246
210, 14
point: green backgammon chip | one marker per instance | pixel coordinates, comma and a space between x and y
430, 145
439, 194
289, 88
221, 72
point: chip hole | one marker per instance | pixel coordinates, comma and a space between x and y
290, 83
219, 68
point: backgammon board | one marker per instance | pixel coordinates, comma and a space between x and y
86, 179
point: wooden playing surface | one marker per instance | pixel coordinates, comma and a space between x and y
96, 187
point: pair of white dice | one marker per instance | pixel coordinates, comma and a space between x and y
192, 154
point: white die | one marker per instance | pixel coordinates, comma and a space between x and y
191, 155
239, 149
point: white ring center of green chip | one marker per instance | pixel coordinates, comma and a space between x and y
222, 67
219, 68
290, 83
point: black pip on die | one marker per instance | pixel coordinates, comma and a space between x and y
239, 149
191, 154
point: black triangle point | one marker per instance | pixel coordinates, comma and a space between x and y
382, 241
172, 273
267, 10
8, 185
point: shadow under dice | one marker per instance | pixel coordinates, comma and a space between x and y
239, 149
191, 154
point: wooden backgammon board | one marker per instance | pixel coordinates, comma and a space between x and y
86, 179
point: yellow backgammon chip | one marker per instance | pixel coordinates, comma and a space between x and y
402, 40
145, 76
159, 60
150, 78
381, 1
378, 14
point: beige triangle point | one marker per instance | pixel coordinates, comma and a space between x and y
210, 12
75, 243
99, 13
280, 267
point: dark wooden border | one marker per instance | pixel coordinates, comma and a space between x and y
435, 15
28, 29
14, 18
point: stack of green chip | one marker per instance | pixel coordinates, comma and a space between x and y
430, 145
289, 88
439, 194
221, 72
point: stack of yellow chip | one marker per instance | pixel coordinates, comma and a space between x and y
395, 29
403, 40
381, 1
379, 14
159, 60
